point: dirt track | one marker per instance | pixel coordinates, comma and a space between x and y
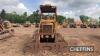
14, 46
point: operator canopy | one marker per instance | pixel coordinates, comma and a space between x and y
47, 9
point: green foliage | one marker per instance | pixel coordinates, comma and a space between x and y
70, 20
25, 14
3, 13
13, 17
99, 20
33, 18
60, 19
84, 18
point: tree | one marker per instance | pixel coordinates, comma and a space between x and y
25, 14
34, 18
23, 17
3, 14
99, 19
60, 19
9, 17
70, 20
84, 19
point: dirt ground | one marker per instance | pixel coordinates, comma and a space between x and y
14, 46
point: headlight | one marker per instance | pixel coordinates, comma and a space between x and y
47, 36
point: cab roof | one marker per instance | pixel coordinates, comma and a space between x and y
47, 9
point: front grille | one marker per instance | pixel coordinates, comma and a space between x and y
47, 28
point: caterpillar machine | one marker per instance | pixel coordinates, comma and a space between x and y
4, 32
46, 37
7, 24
